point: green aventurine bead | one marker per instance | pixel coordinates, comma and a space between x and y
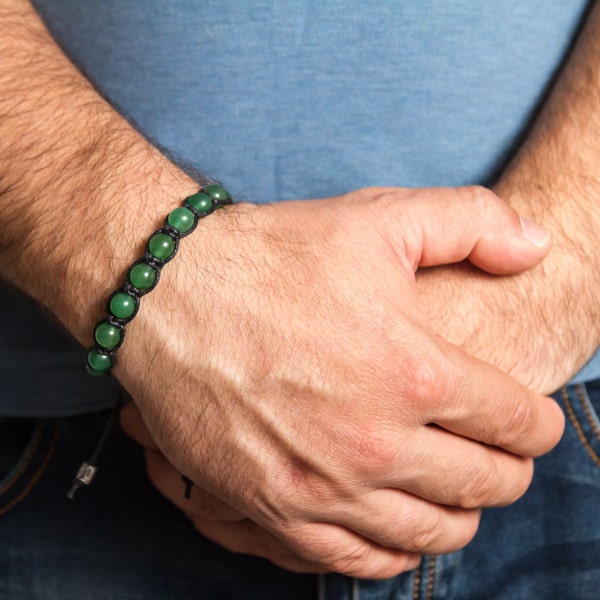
201, 202
99, 362
95, 373
181, 218
142, 276
122, 305
161, 246
107, 335
217, 192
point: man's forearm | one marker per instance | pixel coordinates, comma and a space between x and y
561, 156
542, 325
79, 188
555, 178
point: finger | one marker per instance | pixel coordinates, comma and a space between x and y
220, 523
484, 404
246, 537
448, 225
133, 425
454, 471
335, 548
168, 482
400, 521
508, 415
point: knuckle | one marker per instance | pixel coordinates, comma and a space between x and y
518, 426
323, 547
480, 201
369, 449
320, 544
351, 562
384, 567
490, 486
434, 535
425, 534
481, 488
478, 197
441, 531
426, 381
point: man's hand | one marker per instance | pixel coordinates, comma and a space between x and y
212, 517
284, 364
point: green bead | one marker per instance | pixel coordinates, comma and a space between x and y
122, 305
95, 373
98, 361
107, 335
201, 202
142, 276
161, 246
181, 218
217, 192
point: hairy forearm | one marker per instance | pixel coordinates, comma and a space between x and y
561, 156
79, 187
556, 179
542, 325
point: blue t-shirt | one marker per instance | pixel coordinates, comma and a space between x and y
298, 99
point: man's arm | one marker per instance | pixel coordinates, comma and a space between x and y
541, 326
282, 362
77, 182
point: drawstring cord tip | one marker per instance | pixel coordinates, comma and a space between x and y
84, 477
88, 469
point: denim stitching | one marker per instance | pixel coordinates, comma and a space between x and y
578, 429
417, 583
32, 448
430, 577
588, 414
25, 492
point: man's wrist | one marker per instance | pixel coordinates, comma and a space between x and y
80, 189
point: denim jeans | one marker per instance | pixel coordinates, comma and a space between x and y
119, 539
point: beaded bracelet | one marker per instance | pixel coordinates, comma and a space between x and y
143, 275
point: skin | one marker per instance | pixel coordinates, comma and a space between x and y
284, 362
325, 449
546, 316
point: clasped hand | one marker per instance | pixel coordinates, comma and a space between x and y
284, 365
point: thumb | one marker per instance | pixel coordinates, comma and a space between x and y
454, 224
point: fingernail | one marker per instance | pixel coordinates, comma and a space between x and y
537, 234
